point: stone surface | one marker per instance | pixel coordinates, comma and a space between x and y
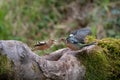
59, 65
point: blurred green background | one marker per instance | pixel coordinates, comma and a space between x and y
35, 20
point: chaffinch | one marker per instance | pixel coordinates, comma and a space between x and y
76, 40
43, 45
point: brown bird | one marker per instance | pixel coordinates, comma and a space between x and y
43, 45
76, 39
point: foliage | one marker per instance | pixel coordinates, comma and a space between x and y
108, 16
30, 20
24, 19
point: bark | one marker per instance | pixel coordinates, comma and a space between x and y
59, 65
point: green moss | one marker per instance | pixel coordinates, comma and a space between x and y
103, 63
97, 65
112, 47
90, 39
5, 69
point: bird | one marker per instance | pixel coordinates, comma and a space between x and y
76, 39
43, 45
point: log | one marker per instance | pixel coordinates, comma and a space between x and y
58, 65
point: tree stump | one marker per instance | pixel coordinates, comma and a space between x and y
62, 64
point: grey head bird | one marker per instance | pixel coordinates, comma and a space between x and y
76, 39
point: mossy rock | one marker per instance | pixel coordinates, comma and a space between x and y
103, 63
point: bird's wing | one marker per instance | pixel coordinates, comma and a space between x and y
80, 34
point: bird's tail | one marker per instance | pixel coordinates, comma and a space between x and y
84, 45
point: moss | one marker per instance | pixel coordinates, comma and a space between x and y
104, 61
90, 39
5, 69
96, 64
112, 47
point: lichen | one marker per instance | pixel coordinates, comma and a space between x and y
103, 63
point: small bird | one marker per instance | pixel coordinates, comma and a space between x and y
76, 40
43, 45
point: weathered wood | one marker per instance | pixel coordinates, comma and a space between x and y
59, 65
